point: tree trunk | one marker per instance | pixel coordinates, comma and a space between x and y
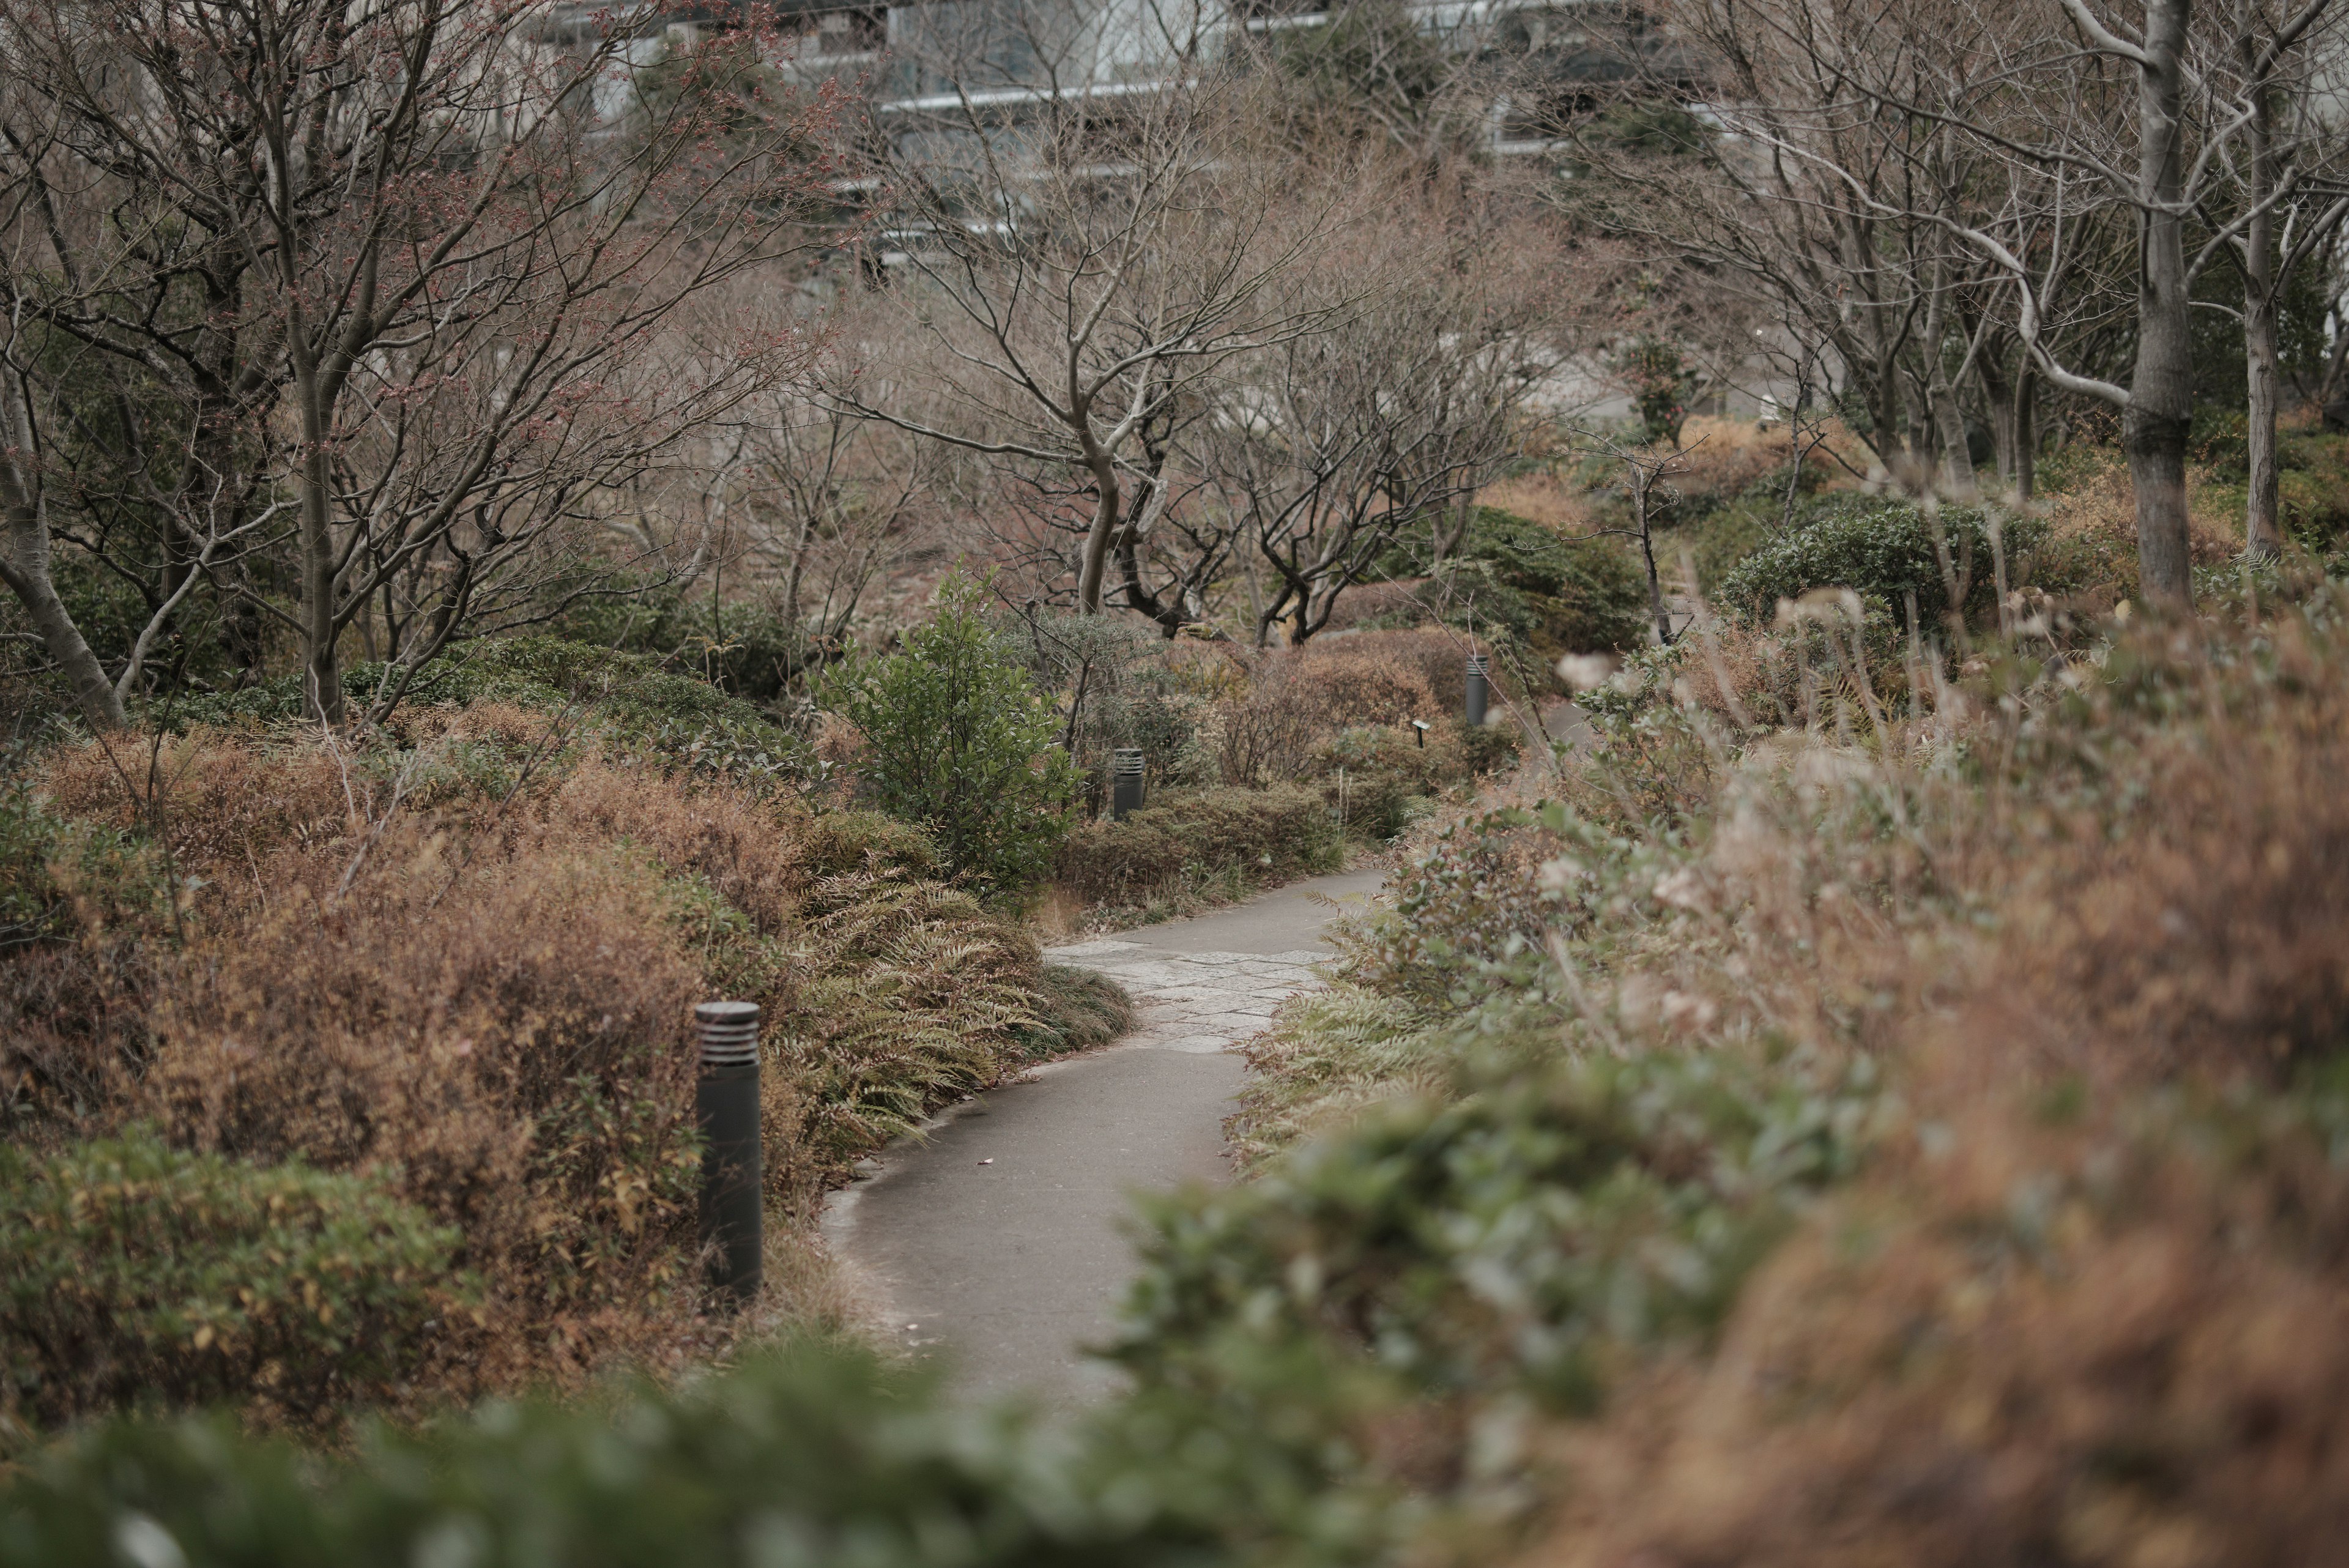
1094, 566
2262, 536
1657, 605
25, 567
1948, 423
1999, 394
27, 572
2155, 426
322, 674
2026, 433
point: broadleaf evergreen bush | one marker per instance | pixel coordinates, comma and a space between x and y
1881, 547
959, 739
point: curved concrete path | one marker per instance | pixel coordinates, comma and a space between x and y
997, 1240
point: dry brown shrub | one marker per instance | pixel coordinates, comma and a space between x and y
1439, 657
509, 1035
1267, 735
1546, 496
1370, 601
221, 804
2211, 938
2090, 1308
1367, 678
2045, 1347
750, 851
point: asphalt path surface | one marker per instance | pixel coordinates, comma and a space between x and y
996, 1242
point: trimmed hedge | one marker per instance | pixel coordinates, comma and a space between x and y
1281, 832
135, 1274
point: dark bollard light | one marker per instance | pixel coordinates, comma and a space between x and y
726, 1109
1125, 782
1479, 688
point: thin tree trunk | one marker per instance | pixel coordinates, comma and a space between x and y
1094, 566
26, 569
1948, 423
2026, 433
2160, 410
27, 574
1999, 393
322, 673
2262, 536
1656, 603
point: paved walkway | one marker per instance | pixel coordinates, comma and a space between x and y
997, 1241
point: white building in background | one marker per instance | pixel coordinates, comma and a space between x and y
929, 55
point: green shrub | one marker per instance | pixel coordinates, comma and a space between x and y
812, 1456
1583, 596
745, 650
47, 862
1881, 547
1448, 1269
1490, 1240
1268, 834
959, 739
1118, 684
135, 1274
1379, 780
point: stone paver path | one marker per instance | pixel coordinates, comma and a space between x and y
998, 1242
1196, 1002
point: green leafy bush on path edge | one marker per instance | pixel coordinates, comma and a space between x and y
132, 1274
812, 1454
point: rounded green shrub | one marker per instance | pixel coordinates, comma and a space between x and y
133, 1274
959, 739
1881, 547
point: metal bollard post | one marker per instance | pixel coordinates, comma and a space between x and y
726, 1109
1479, 687
1125, 782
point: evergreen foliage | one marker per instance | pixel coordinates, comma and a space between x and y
960, 741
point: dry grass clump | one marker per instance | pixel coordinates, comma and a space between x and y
2210, 935
1548, 497
1369, 677
1296, 698
1399, 597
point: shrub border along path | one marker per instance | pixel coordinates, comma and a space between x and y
998, 1242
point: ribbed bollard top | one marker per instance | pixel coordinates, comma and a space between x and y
1126, 760
1477, 665
730, 1033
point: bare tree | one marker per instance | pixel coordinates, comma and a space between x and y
1807, 188
1087, 240
1334, 449
446, 248
2279, 59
